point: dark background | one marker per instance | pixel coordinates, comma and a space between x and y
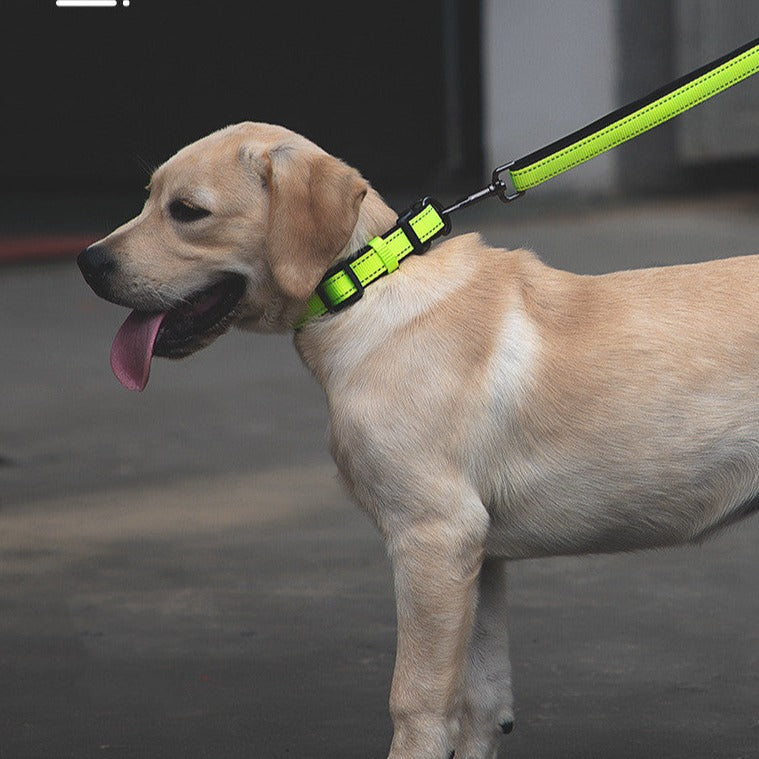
92, 99
180, 574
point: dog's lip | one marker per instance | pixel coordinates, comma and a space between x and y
204, 314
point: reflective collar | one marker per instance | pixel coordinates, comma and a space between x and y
344, 283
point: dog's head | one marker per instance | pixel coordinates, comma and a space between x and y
238, 229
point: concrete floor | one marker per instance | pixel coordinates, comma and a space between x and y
183, 577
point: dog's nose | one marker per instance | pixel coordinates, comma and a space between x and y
98, 265
95, 263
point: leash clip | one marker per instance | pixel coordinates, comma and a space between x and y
504, 192
497, 186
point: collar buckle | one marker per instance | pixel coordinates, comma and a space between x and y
345, 268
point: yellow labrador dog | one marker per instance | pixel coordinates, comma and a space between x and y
483, 406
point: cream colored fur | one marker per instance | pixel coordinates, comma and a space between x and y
483, 406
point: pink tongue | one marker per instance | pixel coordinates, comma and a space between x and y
132, 349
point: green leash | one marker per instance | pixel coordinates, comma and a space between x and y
636, 118
344, 283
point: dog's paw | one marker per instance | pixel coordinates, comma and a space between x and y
480, 738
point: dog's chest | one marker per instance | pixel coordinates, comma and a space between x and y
424, 405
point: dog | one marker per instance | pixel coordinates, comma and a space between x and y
484, 407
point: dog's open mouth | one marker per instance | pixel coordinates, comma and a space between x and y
175, 333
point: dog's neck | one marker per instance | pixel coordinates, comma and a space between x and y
314, 341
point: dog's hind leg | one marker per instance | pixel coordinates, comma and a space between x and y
487, 710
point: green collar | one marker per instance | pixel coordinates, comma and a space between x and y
345, 282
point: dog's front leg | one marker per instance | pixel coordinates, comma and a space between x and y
436, 566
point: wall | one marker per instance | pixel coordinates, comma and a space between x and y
92, 98
549, 68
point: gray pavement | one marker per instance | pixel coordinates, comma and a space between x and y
181, 575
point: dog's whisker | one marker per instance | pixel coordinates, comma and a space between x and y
146, 166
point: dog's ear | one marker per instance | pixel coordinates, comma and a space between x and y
314, 202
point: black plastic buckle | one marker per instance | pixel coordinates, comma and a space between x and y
344, 266
420, 247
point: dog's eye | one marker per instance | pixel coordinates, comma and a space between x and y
181, 210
